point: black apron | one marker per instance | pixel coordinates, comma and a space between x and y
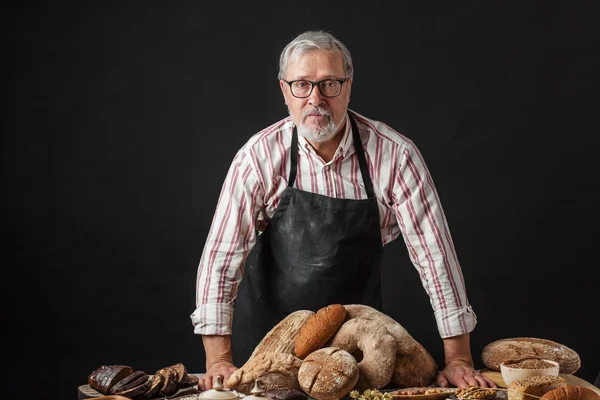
316, 251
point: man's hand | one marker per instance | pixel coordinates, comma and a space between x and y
459, 369
218, 360
224, 368
461, 374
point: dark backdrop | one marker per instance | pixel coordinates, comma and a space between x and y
120, 120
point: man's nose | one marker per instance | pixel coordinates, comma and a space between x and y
316, 97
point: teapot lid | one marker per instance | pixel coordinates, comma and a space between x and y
218, 392
256, 392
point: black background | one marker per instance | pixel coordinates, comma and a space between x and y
120, 120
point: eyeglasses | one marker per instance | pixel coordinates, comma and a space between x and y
328, 87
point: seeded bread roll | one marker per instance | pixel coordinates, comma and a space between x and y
318, 329
328, 374
534, 385
526, 347
571, 393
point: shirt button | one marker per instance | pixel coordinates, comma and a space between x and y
326, 168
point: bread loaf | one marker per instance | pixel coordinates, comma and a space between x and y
534, 385
132, 380
571, 393
282, 337
377, 346
279, 369
414, 366
526, 347
328, 374
318, 329
107, 376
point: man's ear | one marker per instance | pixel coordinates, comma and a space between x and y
282, 86
348, 90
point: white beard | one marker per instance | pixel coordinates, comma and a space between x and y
321, 133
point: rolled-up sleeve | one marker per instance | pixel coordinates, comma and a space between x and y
427, 236
231, 237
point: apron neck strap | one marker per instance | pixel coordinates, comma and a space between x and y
360, 153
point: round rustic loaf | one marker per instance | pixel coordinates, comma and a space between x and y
377, 346
527, 347
571, 393
318, 329
328, 373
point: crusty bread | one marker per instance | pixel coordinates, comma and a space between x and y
571, 393
328, 374
273, 369
318, 329
414, 365
377, 346
534, 385
282, 337
526, 347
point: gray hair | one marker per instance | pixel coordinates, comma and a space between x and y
314, 40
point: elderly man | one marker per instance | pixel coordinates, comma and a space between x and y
303, 215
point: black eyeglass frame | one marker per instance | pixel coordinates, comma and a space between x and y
317, 84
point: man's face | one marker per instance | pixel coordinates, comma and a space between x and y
318, 118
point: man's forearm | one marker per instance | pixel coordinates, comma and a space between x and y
458, 348
217, 349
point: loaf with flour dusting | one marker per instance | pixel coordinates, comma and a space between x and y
527, 347
328, 374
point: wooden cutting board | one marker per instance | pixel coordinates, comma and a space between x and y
572, 380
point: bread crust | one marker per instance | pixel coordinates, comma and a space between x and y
378, 349
318, 329
328, 374
527, 347
279, 369
414, 365
282, 337
534, 385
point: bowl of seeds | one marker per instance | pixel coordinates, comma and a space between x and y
513, 370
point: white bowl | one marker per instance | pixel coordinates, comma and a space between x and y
510, 374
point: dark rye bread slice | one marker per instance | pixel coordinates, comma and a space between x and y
133, 380
188, 381
107, 376
170, 384
136, 390
154, 385
180, 370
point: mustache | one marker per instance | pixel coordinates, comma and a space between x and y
315, 111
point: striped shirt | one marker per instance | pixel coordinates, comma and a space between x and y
406, 196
